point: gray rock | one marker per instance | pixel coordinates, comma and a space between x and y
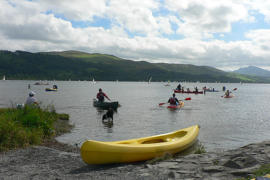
184, 172
171, 175
244, 172
213, 169
232, 164
165, 164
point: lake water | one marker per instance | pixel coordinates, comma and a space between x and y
225, 123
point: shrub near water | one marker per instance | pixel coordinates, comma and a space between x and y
26, 126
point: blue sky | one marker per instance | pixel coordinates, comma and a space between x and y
225, 34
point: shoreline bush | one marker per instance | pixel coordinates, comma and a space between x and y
21, 127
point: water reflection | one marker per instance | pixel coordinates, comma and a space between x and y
108, 124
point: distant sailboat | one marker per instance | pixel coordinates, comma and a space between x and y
93, 81
150, 80
168, 84
4, 78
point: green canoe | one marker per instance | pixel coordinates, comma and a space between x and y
105, 105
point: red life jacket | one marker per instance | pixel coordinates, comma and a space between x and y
172, 100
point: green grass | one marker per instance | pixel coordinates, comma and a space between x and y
166, 156
200, 149
262, 171
63, 116
27, 126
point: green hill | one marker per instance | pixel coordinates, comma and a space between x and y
77, 65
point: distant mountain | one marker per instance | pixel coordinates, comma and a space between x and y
75, 65
253, 71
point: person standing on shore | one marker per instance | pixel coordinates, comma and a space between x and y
31, 100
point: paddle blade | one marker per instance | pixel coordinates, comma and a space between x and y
188, 99
235, 89
160, 104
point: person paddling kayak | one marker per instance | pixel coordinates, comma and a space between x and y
173, 100
178, 87
101, 95
227, 93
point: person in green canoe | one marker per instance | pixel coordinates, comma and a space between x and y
101, 95
173, 100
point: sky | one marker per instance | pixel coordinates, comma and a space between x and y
225, 34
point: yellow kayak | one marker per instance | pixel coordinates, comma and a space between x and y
97, 152
50, 89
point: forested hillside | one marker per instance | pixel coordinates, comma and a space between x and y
76, 65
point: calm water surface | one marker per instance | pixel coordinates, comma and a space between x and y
225, 123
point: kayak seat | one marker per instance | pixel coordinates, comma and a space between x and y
152, 141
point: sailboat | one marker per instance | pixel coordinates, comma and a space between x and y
168, 84
150, 80
93, 81
4, 78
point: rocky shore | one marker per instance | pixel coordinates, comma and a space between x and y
58, 161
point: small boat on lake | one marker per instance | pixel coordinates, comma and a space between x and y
168, 84
50, 89
93, 81
105, 105
180, 105
210, 90
188, 92
41, 83
230, 96
141, 149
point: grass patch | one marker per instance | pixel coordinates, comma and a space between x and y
166, 156
29, 126
200, 149
262, 171
63, 116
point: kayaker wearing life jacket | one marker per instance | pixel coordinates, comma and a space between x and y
101, 95
196, 89
178, 87
173, 100
227, 93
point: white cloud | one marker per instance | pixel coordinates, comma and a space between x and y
25, 25
82, 10
201, 17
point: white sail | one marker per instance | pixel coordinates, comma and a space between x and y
93, 81
150, 80
168, 83
4, 78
